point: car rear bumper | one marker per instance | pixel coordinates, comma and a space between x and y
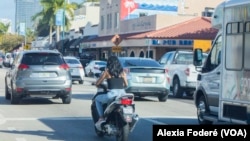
147, 90
43, 90
190, 84
77, 78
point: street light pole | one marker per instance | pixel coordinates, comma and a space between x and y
63, 27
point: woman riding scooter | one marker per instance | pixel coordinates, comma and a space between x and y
116, 80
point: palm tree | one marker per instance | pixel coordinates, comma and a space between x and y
48, 15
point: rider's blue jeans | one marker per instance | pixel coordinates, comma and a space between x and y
105, 98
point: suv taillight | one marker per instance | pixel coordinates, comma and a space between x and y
126, 70
64, 66
187, 71
23, 67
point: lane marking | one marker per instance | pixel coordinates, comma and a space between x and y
148, 118
21, 139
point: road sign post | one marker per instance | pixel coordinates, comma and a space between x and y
116, 39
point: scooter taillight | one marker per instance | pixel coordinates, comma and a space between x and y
126, 101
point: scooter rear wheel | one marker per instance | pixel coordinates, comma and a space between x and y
123, 133
99, 133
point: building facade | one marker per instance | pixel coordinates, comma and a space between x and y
126, 17
25, 9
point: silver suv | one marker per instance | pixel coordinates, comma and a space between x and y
38, 73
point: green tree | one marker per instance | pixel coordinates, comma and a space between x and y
47, 16
92, 1
4, 28
30, 35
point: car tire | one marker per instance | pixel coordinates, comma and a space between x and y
177, 90
81, 82
163, 97
14, 99
66, 99
7, 94
202, 109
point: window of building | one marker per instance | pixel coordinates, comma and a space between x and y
208, 12
141, 54
132, 54
102, 22
116, 19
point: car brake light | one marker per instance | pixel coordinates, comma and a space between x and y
80, 67
23, 67
187, 71
96, 68
126, 101
19, 90
68, 89
64, 66
166, 70
126, 70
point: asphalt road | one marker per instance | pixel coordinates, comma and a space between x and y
50, 120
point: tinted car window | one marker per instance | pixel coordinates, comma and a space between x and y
101, 63
42, 59
140, 62
71, 61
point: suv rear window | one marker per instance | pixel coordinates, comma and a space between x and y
71, 61
140, 62
42, 59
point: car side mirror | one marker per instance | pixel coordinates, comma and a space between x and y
198, 56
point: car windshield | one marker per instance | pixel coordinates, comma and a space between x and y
42, 59
140, 62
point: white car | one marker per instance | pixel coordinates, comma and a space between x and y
8, 59
93, 67
76, 69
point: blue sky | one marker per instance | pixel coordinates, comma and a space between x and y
7, 10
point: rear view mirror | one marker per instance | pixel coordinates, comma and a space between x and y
198, 56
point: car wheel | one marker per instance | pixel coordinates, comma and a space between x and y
66, 99
81, 82
7, 94
202, 109
163, 97
177, 90
14, 99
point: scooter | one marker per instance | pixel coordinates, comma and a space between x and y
119, 114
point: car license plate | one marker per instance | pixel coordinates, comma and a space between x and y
71, 70
43, 75
147, 80
128, 110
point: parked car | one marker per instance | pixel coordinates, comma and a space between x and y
38, 73
146, 77
93, 67
76, 69
8, 59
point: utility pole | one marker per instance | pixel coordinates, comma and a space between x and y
63, 49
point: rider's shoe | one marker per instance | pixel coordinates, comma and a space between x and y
98, 124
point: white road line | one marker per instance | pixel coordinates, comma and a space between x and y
153, 119
11, 128
20, 139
